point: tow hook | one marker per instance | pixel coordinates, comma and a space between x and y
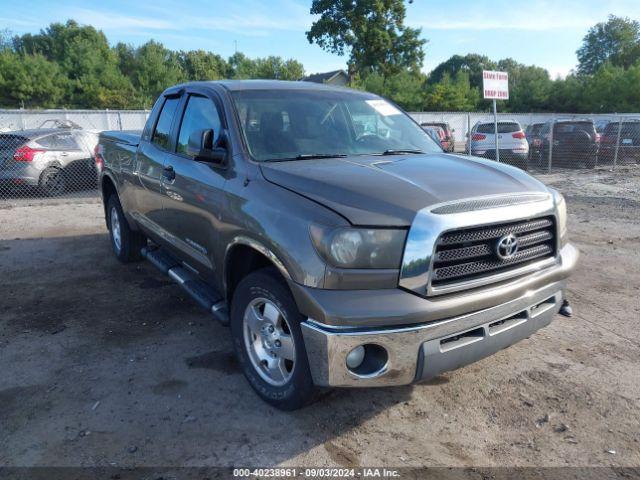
566, 309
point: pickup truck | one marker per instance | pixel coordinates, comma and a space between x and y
338, 241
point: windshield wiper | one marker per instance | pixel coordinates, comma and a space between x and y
307, 156
401, 152
311, 156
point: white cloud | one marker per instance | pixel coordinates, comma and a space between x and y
113, 21
248, 17
561, 71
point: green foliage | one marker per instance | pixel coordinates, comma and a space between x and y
154, 69
404, 88
31, 81
452, 94
72, 66
616, 41
473, 64
371, 31
83, 55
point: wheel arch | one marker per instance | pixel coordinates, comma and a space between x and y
107, 188
245, 255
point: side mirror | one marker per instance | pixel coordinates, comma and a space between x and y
201, 147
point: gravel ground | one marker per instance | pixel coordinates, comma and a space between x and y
104, 364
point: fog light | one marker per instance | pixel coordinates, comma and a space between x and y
355, 357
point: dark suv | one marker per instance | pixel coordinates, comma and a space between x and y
629, 148
575, 144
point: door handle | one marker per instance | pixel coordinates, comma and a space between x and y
168, 173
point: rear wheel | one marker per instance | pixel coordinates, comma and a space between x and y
591, 161
52, 182
126, 243
265, 325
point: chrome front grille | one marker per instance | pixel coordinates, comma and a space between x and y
472, 253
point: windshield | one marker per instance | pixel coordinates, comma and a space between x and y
293, 124
572, 127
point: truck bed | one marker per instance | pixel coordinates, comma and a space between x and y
126, 137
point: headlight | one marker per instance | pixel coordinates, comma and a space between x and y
359, 247
561, 207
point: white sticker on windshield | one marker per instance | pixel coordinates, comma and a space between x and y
384, 108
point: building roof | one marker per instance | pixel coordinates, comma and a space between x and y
324, 77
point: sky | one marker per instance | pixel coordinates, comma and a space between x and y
534, 32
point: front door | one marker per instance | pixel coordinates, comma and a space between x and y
193, 193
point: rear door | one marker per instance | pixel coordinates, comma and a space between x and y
156, 146
193, 198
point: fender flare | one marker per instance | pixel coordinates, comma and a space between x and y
260, 248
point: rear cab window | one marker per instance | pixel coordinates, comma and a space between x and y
162, 134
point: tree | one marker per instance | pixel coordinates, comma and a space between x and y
617, 41
404, 88
278, 69
201, 65
31, 81
155, 69
240, 66
83, 54
473, 64
452, 94
371, 31
529, 87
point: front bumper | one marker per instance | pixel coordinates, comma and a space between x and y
467, 326
422, 352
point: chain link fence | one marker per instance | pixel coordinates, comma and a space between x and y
540, 142
50, 154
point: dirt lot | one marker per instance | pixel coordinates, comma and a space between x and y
105, 364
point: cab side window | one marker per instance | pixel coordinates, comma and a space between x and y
201, 113
162, 134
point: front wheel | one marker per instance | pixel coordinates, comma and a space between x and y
265, 325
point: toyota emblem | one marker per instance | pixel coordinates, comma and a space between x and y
507, 246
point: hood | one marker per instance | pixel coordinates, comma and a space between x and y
388, 191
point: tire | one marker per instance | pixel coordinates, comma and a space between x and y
126, 243
52, 182
263, 313
590, 163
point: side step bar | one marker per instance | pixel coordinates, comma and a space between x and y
200, 291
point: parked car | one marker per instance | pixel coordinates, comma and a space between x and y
575, 144
438, 135
601, 125
449, 143
51, 159
534, 139
629, 149
338, 258
512, 142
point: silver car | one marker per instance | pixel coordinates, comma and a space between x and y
512, 142
52, 159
